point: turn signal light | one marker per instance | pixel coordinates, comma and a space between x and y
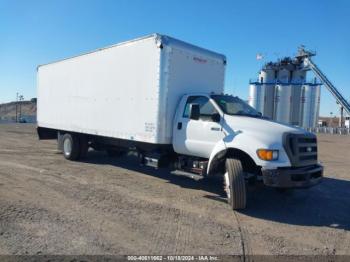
267, 154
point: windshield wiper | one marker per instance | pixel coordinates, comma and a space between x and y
241, 114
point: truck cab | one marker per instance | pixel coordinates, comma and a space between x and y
225, 136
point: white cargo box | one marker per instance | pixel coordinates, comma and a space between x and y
127, 91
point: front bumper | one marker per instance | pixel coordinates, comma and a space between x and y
293, 177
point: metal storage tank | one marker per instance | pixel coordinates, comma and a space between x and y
269, 100
295, 104
267, 75
267, 80
316, 112
305, 105
257, 96
283, 75
297, 79
298, 76
283, 103
286, 93
309, 105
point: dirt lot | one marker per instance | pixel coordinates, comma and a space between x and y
112, 206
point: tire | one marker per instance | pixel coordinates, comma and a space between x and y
71, 146
59, 142
234, 184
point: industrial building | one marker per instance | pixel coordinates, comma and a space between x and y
283, 93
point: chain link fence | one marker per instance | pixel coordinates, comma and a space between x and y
330, 130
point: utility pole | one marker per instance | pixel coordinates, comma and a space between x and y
341, 119
16, 107
21, 98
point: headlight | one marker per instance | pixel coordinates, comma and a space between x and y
267, 154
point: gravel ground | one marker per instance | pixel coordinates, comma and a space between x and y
49, 205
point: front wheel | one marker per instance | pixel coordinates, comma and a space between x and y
234, 184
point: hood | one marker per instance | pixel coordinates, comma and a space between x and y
259, 127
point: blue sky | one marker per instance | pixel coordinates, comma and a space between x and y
35, 32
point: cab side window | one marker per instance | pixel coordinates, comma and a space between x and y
206, 107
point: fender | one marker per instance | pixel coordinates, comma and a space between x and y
218, 152
249, 144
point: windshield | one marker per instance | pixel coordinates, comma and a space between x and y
234, 106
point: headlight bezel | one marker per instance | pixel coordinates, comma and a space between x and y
268, 154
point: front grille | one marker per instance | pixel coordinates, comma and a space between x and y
307, 140
301, 148
304, 158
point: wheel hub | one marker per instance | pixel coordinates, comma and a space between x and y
67, 146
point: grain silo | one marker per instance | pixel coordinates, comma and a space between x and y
257, 97
283, 94
309, 105
297, 79
283, 97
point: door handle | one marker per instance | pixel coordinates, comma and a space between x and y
179, 125
215, 128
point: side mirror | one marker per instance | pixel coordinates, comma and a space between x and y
194, 111
216, 117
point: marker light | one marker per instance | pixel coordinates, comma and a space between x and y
267, 154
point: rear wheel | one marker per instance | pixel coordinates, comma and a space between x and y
71, 146
234, 184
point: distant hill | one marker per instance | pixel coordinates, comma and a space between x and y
27, 109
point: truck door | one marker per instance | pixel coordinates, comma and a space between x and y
197, 137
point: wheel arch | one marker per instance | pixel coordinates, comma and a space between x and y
217, 162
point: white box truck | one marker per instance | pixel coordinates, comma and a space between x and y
164, 98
